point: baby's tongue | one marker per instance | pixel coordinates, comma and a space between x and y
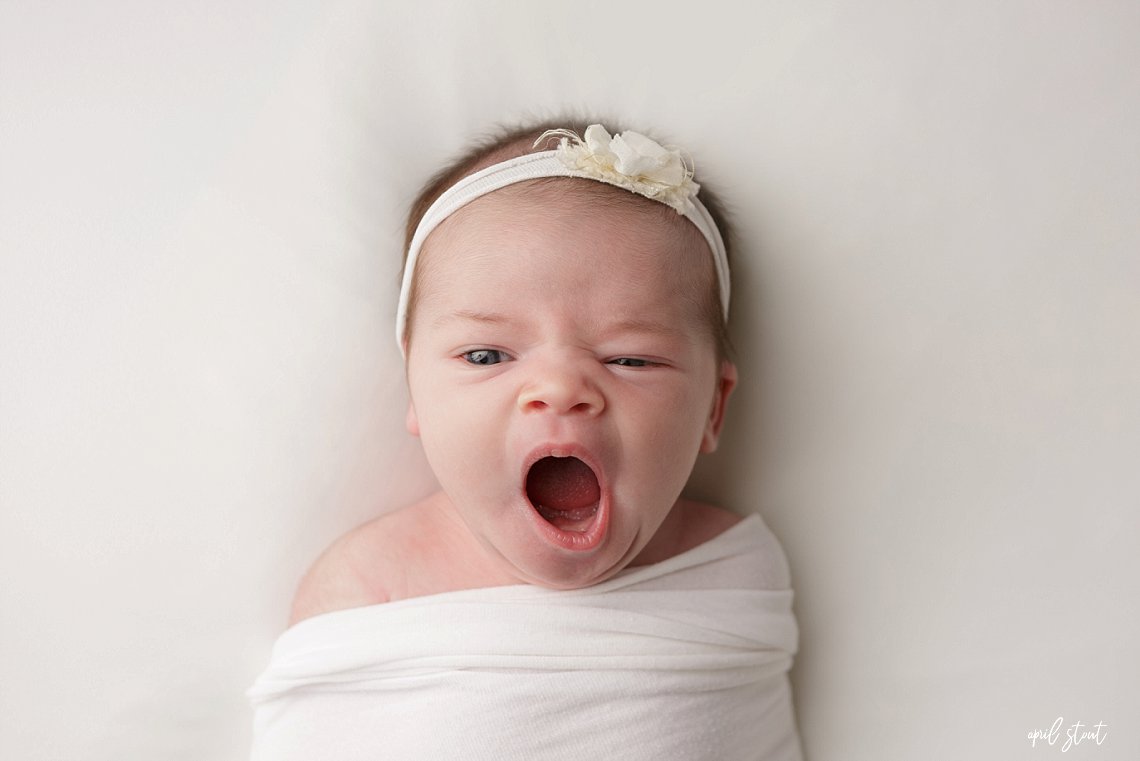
562, 483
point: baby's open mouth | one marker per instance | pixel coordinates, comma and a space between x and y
564, 491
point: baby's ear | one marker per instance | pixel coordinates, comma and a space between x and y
411, 422
724, 385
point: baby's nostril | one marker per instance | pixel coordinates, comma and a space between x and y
562, 393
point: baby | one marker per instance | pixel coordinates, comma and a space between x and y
563, 320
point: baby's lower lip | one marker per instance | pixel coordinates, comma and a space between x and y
582, 535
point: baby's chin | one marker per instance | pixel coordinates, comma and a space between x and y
578, 546
554, 568
527, 553
560, 576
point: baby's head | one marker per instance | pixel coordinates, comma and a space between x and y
566, 347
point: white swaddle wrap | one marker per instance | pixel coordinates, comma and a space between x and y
683, 659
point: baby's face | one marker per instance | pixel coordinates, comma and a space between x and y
552, 330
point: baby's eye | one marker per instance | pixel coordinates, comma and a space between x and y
629, 362
485, 356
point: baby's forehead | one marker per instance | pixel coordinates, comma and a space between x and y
512, 235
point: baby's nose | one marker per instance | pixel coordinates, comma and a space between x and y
563, 387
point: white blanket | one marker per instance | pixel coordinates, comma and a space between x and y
684, 659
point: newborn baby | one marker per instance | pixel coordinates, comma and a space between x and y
566, 364
563, 319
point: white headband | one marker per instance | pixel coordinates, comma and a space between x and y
628, 160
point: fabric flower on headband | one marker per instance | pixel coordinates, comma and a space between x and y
629, 160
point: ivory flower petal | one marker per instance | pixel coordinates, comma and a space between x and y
632, 161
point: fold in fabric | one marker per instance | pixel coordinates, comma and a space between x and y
683, 659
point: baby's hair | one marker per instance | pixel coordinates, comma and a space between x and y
510, 141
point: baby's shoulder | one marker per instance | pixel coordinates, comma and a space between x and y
704, 522
768, 565
357, 569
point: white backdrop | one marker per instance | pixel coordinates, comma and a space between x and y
937, 321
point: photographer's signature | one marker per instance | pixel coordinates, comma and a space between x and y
1074, 734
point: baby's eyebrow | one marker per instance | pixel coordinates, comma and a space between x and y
489, 318
641, 325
